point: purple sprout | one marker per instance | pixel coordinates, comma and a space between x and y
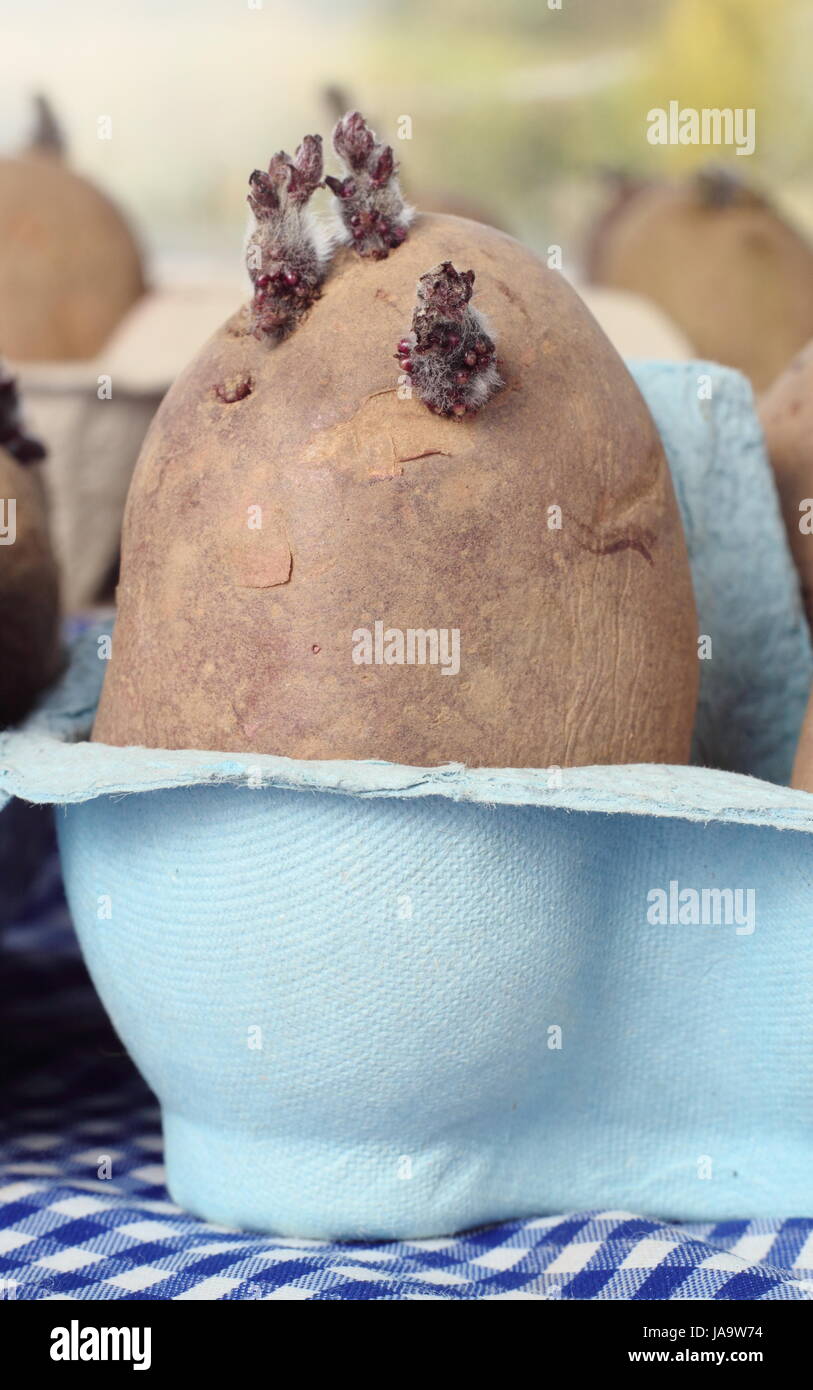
371, 204
283, 255
449, 355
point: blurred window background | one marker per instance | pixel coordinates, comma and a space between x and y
513, 107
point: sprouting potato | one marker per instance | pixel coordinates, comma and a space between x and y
407, 504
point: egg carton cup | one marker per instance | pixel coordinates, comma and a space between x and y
388, 1001
93, 416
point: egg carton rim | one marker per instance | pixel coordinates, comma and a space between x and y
49, 760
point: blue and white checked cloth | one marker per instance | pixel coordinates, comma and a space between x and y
84, 1213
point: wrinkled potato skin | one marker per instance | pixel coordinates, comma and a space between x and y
69, 267
738, 280
29, 610
578, 645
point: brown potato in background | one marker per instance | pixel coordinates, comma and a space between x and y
29, 610
69, 266
735, 278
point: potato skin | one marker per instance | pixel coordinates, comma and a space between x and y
786, 413
578, 645
802, 775
29, 608
737, 280
69, 266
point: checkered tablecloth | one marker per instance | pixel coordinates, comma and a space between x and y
84, 1213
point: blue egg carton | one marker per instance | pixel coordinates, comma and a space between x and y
386, 1001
